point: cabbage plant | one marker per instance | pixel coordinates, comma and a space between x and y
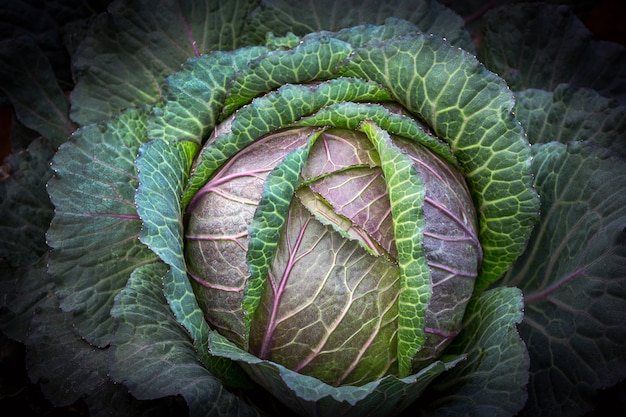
315, 208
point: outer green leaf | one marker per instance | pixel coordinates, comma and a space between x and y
24, 204
535, 45
309, 396
572, 114
492, 380
573, 278
470, 108
282, 16
95, 229
28, 79
267, 224
194, 96
147, 336
273, 111
406, 195
349, 115
131, 50
315, 58
53, 343
163, 171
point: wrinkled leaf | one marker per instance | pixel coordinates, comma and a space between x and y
266, 227
492, 380
470, 108
28, 79
534, 45
25, 206
406, 197
572, 114
573, 278
94, 234
282, 16
147, 329
310, 397
129, 51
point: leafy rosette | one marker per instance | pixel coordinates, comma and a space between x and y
337, 218
335, 204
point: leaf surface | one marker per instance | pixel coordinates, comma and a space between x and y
266, 227
130, 50
310, 397
25, 205
271, 112
572, 114
470, 108
282, 16
94, 234
535, 45
406, 197
147, 330
163, 171
573, 278
492, 380
28, 79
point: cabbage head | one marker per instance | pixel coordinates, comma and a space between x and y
329, 209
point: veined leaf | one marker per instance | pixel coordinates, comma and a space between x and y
283, 16
266, 227
544, 45
470, 108
270, 112
319, 285
311, 397
130, 50
147, 329
573, 278
194, 96
94, 234
406, 197
315, 58
163, 171
28, 79
492, 379
572, 114
26, 209
349, 115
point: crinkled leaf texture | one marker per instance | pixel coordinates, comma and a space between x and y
309, 396
573, 278
535, 45
488, 353
147, 336
492, 380
94, 234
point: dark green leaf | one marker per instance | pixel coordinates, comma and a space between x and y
131, 50
27, 78
282, 16
163, 172
194, 96
24, 204
95, 230
572, 114
148, 336
309, 396
534, 45
492, 380
573, 278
